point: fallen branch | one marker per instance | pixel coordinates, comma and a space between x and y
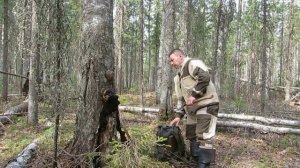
260, 119
138, 109
14, 74
22, 159
221, 115
242, 124
264, 128
16, 110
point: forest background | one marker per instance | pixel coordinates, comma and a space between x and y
68, 48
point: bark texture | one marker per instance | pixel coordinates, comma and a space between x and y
96, 72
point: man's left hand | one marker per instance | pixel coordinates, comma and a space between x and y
190, 101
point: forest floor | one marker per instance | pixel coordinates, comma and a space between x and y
236, 147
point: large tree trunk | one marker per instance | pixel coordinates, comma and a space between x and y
166, 45
5, 50
33, 74
97, 64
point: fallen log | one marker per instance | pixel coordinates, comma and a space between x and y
16, 110
221, 115
138, 109
22, 159
260, 119
264, 128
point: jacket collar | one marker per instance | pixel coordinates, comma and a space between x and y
184, 62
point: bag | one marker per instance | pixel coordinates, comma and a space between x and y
170, 143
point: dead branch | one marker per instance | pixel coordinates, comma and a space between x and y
266, 120
16, 110
23, 157
138, 109
260, 119
14, 74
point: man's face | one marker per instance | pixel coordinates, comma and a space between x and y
176, 60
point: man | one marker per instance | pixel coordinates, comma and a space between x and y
197, 98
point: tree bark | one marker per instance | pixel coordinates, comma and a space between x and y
141, 52
23, 157
237, 70
119, 45
264, 60
97, 67
166, 45
5, 50
187, 26
33, 74
289, 54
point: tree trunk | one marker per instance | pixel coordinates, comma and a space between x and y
97, 64
289, 54
119, 45
187, 26
281, 56
141, 52
216, 51
237, 70
5, 50
166, 45
33, 75
264, 60
59, 55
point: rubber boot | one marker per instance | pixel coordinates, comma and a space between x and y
201, 156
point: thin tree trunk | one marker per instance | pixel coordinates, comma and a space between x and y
187, 26
264, 60
22, 44
281, 56
5, 50
150, 70
237, 70
119, 45
59, 53
141, 68
33, 74
216, 47
289, 54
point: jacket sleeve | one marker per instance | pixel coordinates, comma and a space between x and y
179, 110
200, 73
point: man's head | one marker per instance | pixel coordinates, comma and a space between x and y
176, 58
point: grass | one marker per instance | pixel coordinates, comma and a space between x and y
236, 148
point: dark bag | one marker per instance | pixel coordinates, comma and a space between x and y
170, 143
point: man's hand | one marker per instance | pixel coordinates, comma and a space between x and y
175, 121
190, 101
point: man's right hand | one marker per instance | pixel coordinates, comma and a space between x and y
175, 121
